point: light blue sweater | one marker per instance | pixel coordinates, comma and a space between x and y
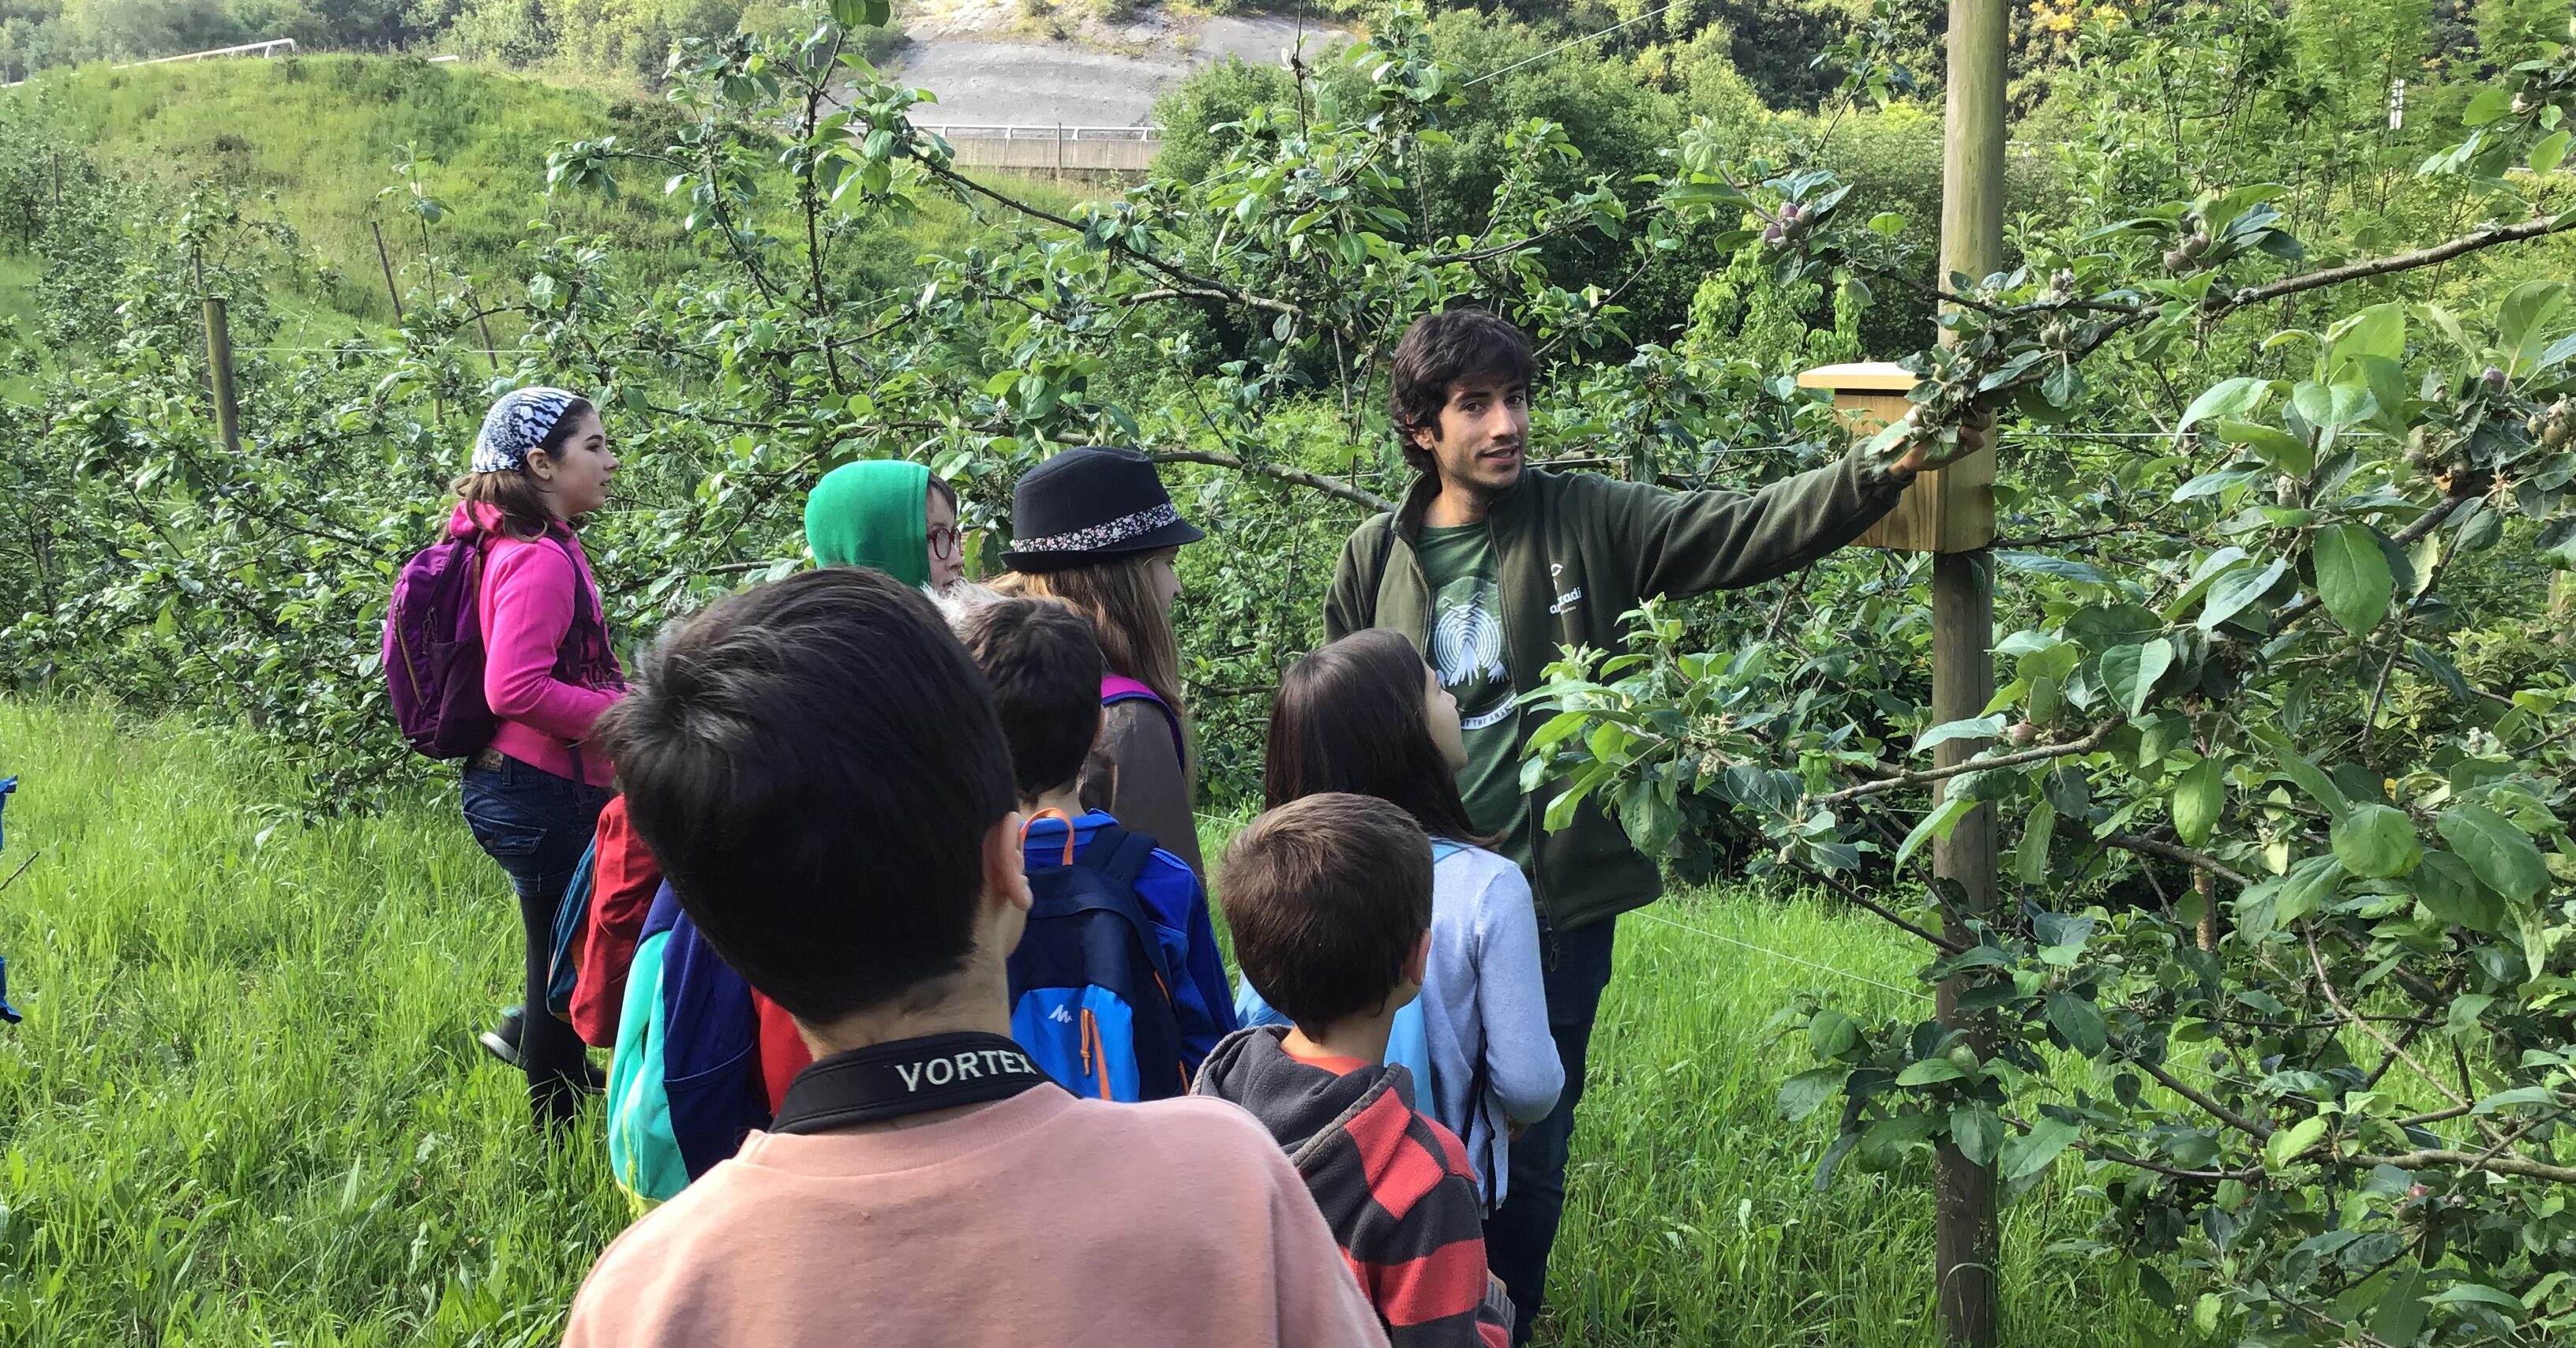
1482, 1002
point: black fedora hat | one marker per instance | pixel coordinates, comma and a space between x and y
1091, 502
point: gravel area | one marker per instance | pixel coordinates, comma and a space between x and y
990, 67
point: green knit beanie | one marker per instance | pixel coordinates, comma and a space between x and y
871, 514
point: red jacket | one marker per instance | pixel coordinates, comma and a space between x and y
624, 877
782, 1051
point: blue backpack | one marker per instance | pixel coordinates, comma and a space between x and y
572, 926
1090, 998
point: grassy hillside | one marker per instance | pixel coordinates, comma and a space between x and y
243, 1108
313, 140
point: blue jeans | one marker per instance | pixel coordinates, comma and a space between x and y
537, 825
1575, 969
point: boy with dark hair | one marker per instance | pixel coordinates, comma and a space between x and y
817, 766
1044, 663
1329, 899
1042, 658
1491, 564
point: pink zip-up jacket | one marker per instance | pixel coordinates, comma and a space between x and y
526, 608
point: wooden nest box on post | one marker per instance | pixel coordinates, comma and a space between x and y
1948, 509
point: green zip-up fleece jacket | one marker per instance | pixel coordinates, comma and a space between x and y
1573, 552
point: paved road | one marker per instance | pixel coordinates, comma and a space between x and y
1042, 84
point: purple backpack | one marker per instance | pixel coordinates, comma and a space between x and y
433, 652
1117, 688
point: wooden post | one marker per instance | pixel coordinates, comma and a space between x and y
219, 368
485, 323
386, 260
437, 401
1965, 1239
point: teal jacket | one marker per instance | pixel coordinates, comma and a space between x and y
1573, 553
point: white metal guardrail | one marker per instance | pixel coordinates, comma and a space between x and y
1117, 149
282, 46
955, 131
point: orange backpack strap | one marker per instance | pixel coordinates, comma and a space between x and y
1060, 817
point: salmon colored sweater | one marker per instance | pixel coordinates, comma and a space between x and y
1042, 1219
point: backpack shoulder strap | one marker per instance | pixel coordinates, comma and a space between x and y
572, 913
584, 603
1117, 688
661, 916
1119, 854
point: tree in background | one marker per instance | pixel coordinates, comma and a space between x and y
514, 32
136, 28
2508, 30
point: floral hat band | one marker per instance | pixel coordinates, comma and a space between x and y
1101, 537
519, 422
1088, 504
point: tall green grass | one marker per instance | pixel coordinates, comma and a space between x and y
244, 1108
1691, 1214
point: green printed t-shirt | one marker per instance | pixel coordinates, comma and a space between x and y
1466, 650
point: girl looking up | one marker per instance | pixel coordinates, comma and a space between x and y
1367, 716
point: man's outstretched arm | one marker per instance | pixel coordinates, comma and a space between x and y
1689, 542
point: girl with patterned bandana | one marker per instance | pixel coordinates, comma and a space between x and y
533, 795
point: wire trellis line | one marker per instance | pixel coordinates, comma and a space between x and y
1576, 42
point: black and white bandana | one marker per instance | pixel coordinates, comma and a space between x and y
520, 422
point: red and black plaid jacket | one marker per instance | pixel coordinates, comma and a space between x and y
1393, 1184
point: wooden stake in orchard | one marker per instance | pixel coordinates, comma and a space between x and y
219, 363
1950, 513
1966, 1248
219, 369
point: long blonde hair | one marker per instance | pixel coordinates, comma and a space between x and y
1135, 630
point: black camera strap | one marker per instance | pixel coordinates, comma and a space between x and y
905, 1076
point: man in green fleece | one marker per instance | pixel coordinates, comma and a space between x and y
1490, 566
889, 515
